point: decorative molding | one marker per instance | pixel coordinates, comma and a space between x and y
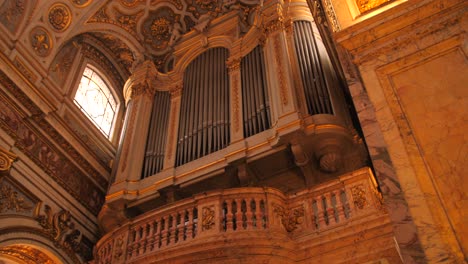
29, 139
129, 135
359, 196
41, 41
26, 254
24, 69
173, 127
236, 103
234, 64
290, 218
208, 218
13, 201
59, 17
279, 69
58, 226
6, 161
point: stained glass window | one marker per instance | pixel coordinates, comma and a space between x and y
95, 99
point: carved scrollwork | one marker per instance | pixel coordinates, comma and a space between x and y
208, 218
58, 226
359, 196
6, 161
290, 218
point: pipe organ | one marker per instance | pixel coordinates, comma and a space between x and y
204, 113
156, 142
314, 74
255, 101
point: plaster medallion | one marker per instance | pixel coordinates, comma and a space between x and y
59, 17
41, 41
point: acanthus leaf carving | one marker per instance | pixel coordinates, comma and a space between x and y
58, 226
208, 218
290, 218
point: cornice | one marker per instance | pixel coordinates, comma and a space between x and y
398, 27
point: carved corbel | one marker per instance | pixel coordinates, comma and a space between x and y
290, 218
142, 81
301, 158
6, 161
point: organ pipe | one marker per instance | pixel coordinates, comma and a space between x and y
256, 107
311, 63
204, 118
156, 142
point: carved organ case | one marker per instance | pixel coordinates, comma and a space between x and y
244, 94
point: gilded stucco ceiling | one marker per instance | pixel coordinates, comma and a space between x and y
159, 25
26, 254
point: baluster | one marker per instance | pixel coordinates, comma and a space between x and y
137, 241
164, 231
180, 226
258, 214
264, 214
189, 232
141, 243
229, 215
160, 231
173, 229
339, 206
249, 213
238, 222
320, 212
330, 208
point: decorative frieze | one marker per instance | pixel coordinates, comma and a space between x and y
13, 201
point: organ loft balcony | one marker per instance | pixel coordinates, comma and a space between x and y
241, 146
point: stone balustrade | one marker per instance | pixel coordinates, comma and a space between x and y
220, 213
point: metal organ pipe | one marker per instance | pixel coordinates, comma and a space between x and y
311, 67
256, 107
156, 143
204, 118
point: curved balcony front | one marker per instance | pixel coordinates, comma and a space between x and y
254, 225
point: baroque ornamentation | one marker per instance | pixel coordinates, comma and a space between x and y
26, 254
6, 160
208, 218
43, 151
119, 250
41, 41
60, 17
10, 200
81, 3
290, 218
58, 226
235, 84
173, 128
24, 70
366, 5
279, 63
359, 196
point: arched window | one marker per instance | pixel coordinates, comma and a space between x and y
96, 100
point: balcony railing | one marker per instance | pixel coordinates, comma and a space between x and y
207, 216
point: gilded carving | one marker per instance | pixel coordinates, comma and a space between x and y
58, 226
6, 160
41, 41
208, 218
26, 254
173, 127
234, 64
161, 28
43, 153
235, 84
59, 17
359, 196
279, 66
11, 200
176, 91
366, 5
290, 218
